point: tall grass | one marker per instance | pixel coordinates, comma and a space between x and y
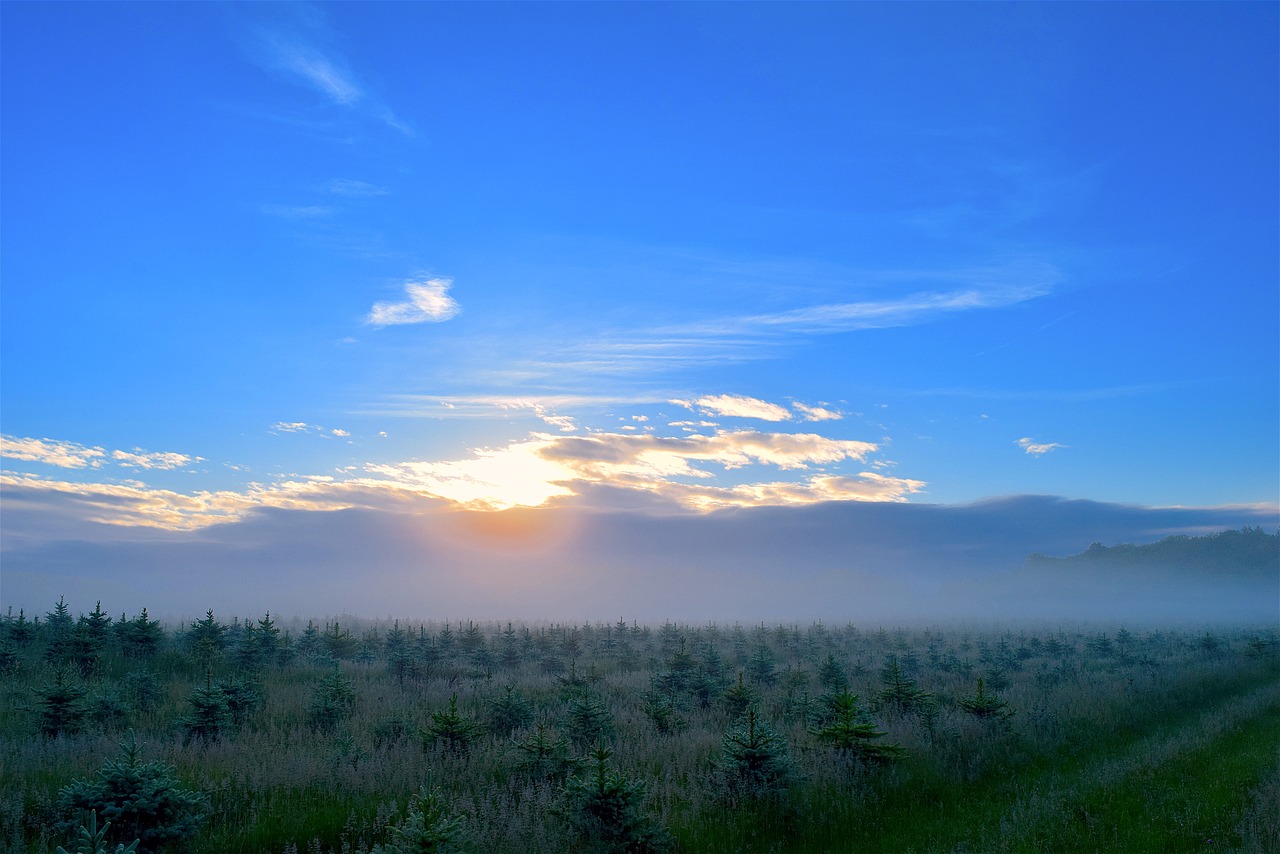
1118, 741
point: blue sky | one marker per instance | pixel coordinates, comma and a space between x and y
660, 257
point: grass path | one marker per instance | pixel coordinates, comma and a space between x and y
1173, 777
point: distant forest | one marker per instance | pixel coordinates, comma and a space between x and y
1249, 553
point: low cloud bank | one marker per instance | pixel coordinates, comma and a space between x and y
880, 562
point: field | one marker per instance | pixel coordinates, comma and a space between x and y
348, 736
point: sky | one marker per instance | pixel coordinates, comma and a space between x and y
490, 270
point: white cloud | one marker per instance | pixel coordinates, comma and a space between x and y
338, 431
299, 57
139, 458
428, 301
291, 426
1031, 446
69, 455
980, 288
613, 457
531, 472
738, 406
355, 189
816, 413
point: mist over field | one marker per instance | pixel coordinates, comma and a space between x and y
885, 563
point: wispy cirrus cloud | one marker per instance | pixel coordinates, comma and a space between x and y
737, 406
1036, 449
428, 302
954, 291
298, 46
354, 189
292, 52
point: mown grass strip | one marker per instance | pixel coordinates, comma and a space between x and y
917, 809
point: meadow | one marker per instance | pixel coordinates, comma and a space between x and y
340, 735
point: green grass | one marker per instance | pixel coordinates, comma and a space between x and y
1152, 747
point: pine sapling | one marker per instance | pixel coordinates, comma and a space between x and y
94, 841
986, 706
428, 829
140, 800
756, 763
606, 811
450, 729
850, 734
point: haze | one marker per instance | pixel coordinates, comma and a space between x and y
652, 311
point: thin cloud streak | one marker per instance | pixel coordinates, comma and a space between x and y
737, 406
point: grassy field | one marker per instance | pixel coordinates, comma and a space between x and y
320, 738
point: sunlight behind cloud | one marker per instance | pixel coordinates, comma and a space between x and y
514, 476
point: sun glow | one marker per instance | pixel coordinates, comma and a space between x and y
514, 476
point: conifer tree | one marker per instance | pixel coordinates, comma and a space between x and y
142, 801
310, 646
756, 763
94, 841
98, 626
761, 665
61, 707
899, 693
206, 639
140, 637
544, 757
58, 626
850, 734
986, 706
606, 812
588, 719
450, 729
509, 712
831, 674
662, 712
331, 702
427, 829
739, 699
210, 716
